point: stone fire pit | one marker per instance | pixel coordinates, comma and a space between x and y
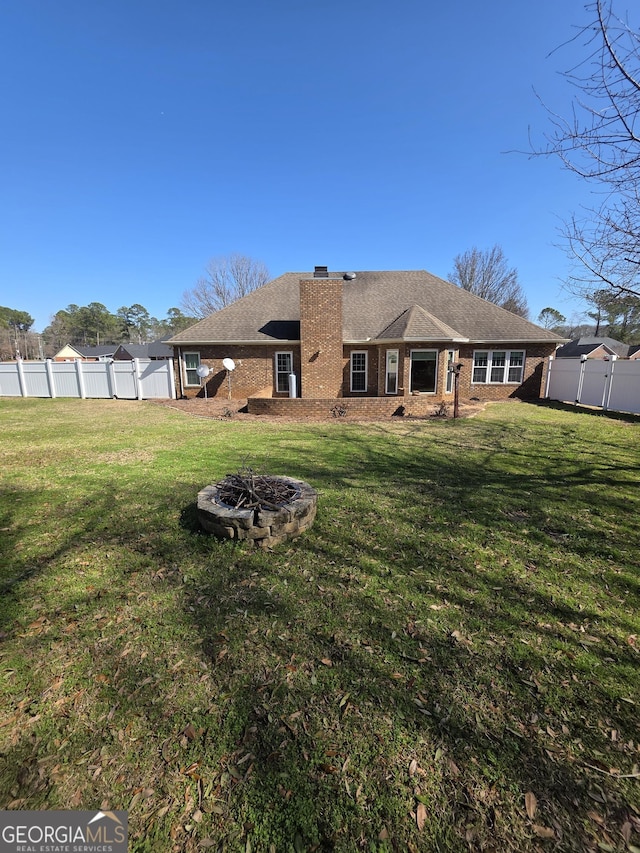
263, 523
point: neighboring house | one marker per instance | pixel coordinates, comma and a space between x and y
379, 342
593, 348
156, 350
121, 352
71, 353
634, 351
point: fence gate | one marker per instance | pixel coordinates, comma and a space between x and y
607, 384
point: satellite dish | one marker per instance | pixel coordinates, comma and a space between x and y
203, 371
228, 364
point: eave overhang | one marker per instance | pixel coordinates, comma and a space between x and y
276, 341
397, 341
522, 341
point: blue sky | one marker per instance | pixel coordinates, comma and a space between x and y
140, 139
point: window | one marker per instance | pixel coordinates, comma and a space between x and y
498, 367
359, 371
424, 370
451, 357
191, 365
498, 362
284, 366
516, 366
391, 381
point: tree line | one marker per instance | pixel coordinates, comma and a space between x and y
85, 325
94, 324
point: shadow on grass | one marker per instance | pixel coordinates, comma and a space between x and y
434, 614
438, 649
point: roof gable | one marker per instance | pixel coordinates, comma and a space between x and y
417, 324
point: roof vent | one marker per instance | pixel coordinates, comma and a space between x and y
349, 276
321, 272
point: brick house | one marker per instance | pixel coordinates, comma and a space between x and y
377, 342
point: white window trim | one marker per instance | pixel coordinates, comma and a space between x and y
435, 389
188, 384
507, 366
280, 372
449, 385
386, 370
359, 372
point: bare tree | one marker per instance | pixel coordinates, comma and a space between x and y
487, 274
228, 278
600, 142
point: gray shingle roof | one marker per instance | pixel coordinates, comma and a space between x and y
376, 305
585, 346
96, 352
154, 349
416, 324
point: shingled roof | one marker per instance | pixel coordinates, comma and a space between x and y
382, 306
585, 346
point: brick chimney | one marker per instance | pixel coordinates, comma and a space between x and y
321, 336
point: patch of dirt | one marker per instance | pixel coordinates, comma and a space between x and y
236, 410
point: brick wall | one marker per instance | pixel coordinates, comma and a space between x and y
321, 351
373, 371
351, 407
254, 373
534, 378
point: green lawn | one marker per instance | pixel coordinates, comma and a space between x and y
448, 660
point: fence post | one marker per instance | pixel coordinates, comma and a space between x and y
136, 377
50, 379
21, 379
80, 378
608, 382
172, 380
111, 378
548, 382
583, 364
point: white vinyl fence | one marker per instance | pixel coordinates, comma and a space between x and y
611, 385
140, 379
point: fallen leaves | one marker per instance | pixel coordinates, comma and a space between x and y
531, 804
543, 831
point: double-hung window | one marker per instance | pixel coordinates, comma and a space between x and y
284, 366
359, 371
498, 367
191, 365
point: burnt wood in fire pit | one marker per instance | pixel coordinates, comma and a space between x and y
264, 510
